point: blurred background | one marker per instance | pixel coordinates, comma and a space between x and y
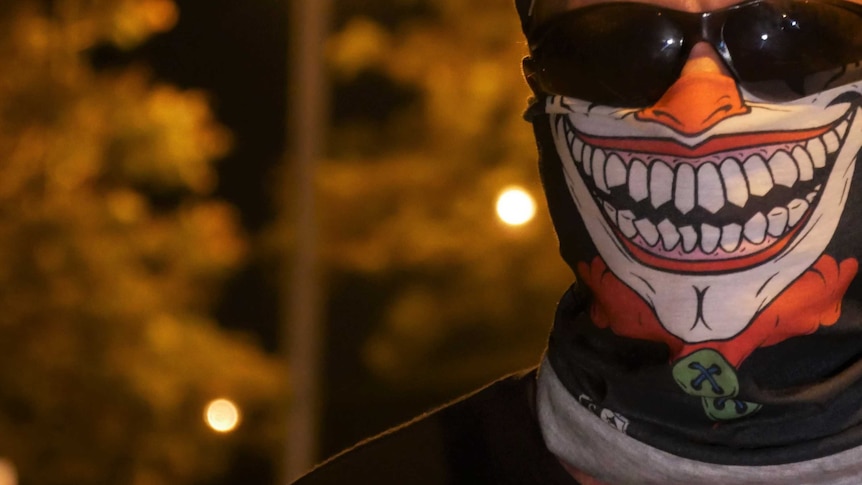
203, 282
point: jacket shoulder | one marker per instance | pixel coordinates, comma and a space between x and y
489, 436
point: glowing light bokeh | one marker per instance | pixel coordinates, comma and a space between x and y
8, 474
516, 206
222, 415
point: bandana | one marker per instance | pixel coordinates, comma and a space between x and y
717, 261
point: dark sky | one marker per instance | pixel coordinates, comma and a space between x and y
237, 52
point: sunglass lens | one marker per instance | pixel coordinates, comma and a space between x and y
787, 50
614, 54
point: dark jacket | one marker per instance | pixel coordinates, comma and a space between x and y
489, 437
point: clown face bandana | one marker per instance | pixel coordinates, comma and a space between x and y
716, 237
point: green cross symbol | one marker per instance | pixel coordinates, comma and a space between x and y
706, 373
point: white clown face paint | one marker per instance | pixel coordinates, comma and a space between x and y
708, 229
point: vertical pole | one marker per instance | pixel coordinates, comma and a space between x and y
302, 327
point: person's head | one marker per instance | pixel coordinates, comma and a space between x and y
707, 147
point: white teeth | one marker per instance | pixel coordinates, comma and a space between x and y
783, 169
817, 150
669, 235
638, 189
710, 193
626, 221
832, 142
734, 182
648, 231
777, 218
570, 135
660, 184
611, 211
709, 238
731, 237
804, 163
710, 186
841, 130
728, 237
578, 150
689, 238
755, 228
707, 185
599, 159
684, 188
615, 171
759, 180
796, 209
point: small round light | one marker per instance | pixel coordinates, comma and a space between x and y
222, 415
516, 207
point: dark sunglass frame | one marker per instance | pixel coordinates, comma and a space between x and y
692, 28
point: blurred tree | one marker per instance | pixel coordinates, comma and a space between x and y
111, 255
428, 132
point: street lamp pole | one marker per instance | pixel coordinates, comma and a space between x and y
309, 22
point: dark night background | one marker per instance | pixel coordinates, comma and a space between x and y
238, 53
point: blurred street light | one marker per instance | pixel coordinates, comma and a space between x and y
516, 206
8, 474
222, 415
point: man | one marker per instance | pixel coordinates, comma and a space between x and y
699, 161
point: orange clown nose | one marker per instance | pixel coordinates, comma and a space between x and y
703, 96
696, 102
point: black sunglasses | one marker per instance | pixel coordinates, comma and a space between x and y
629, 54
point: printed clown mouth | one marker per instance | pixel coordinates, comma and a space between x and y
727, 204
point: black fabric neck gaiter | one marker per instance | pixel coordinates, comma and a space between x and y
717, 304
